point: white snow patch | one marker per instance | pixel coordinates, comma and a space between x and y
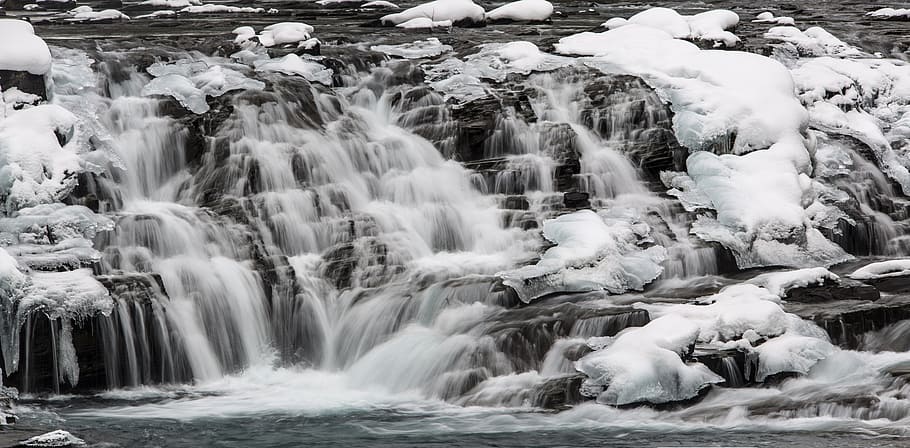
423, 23
21, 50
210, 8
882, 269
380, 4
438, 11
58, 438
94, 16
778, 283
170, 3
709, 25
815, 41
890, 13
768, 17
523, 10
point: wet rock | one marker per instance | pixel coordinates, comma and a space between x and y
576, 200
559, 393
847, 320
844, 288
24, 81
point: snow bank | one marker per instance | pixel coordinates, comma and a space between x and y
21, 50
890, 13
437, 11
644, 365
415, 50
523, 11
295, 65
709, 26
778, 283
761, 198
768, 17
882, 269
190, 82
591, 253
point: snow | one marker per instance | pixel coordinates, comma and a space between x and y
156, 14
190, 82
778, 283
34, 168
415, 50
768, 17
438, 11
644, 365
12, 280
790, 353
523, 10
210, 8
592, 253
21, 50
423, 22
294, 65
815, 41
276, 34
882, 269
379, 4
762, 190
890, 13
94, 16
709, 25
171, 3
58, 438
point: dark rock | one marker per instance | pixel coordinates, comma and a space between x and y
559, 393
24, 81
830, 291
576, 200
847, 320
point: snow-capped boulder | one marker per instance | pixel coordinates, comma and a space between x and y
439, 11
522, 11
709, 26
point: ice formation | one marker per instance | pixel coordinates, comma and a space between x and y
21, 50
523, 11
58, 438
295, 65
430, 47
190, 82
211, 8
592, 253
708, 26
438, 11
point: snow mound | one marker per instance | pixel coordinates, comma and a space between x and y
438, 11
790, 353
431, 47
295, 65
190, 82
778, 283
424, 23
591, 254
890, 13
276, 34
95, 16
768, 17
210, 8
708, 26
171, 3
882, 269
523, 11
58, 438
815, 41
21, 50
644, 365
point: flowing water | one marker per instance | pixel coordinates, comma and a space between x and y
316, 266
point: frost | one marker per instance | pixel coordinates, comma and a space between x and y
591, 254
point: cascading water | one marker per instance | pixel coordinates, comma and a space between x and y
270, 244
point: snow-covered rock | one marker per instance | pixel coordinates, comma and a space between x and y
379, 4
424, 23
431, 47
778, 283
882, 269
768, 17
890, 13
815, 41
523, 11
211, 8
21, 50
644, 365
708, 26
439, 11
170, 3
95, 16
54, 439
591, 253
276, 34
